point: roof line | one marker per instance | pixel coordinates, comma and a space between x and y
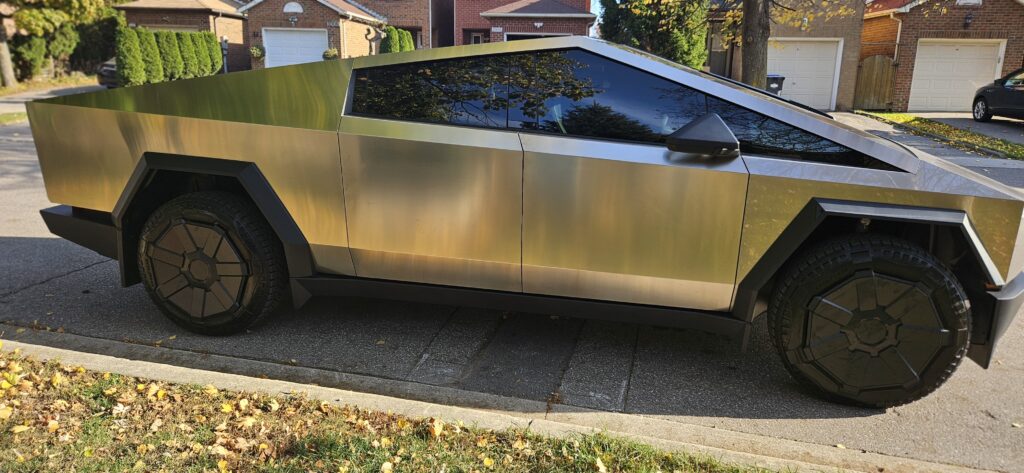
253, 3
539, 15
234, 14
904, 9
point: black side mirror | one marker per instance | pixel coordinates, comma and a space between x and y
707, 135
1000, 81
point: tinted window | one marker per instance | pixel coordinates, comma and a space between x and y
460, 91
577, 93
759, 134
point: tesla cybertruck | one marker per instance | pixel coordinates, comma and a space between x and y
560, 175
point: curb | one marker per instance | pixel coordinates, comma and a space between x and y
483, 410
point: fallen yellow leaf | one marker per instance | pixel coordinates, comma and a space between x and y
226, 407
488, 462
210, 390
436, 427
57, 379
87, 453
222, 465
386, 467
19, 429
481, 442
52, 426
600, 466
5, 413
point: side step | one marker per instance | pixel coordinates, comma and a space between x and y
714, 322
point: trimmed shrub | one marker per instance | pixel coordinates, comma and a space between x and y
202, 54
216, 55
391, 42
188, 56
62, 45
130, 68
331, 53
170, 55
407, 42
29, 56
151, 56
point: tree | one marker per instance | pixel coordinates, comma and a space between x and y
673, 29
44, 18
390, 43
62, 45
202, 54
130, 68
170, 54
406, 41
188, 56
96, 40
29, 56
216, 54
151, 56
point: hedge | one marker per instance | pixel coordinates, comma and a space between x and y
216, 55
202, 54
407, 42
170, 55
63, 43
151, 56
29, 56
188, 56
130, 68
390, 43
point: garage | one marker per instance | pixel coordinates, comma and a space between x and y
946, 73
289, 46
811, 68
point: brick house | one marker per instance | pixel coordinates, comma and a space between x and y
298, 31
485, 21
218, 16
819, 58
943, 50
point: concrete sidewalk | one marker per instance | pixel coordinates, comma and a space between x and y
482, 410
16, 102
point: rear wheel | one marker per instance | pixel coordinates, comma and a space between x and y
980, 111
212, 263
871, 320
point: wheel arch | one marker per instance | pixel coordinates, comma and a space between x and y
159, 177
947, 234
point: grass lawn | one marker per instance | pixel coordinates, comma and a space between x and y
55, 417
958, 137
76, 79
15, 117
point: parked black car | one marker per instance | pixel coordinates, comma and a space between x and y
1004, 97
106, 74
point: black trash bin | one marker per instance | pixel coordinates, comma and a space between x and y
774, 84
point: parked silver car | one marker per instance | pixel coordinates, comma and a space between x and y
564, 175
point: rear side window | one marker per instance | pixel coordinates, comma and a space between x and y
467, 91
578, 93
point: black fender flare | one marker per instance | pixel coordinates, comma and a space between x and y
296, 248
817, 210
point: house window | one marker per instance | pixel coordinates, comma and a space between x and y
292, 7
968, 2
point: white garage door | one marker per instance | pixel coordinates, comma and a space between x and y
809, 68
285, 47
946, 74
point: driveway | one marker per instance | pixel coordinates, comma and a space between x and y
16, 102
665, 375
1004, 128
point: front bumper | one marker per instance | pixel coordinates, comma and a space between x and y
1008, 302
89, 228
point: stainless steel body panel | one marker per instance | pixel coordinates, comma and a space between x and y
631, 223
88, 155
434, 203
779, 189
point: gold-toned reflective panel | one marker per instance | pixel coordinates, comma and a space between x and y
779, 190
629, 222
87, 156
433, 203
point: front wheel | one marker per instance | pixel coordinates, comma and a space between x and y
870, 319
212, 263
980, 111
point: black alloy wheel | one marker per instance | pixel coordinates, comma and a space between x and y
870, 320
211, 262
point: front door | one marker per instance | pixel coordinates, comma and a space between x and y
433, 181
609, 212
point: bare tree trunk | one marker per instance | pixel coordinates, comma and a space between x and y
756, 29
6, 65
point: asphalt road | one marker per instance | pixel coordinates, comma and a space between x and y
680, 376
999, 127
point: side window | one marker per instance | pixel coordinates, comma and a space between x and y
759, 134
460, 92
577, 93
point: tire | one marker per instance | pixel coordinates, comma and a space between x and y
212, 263
980, 110
870, 320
